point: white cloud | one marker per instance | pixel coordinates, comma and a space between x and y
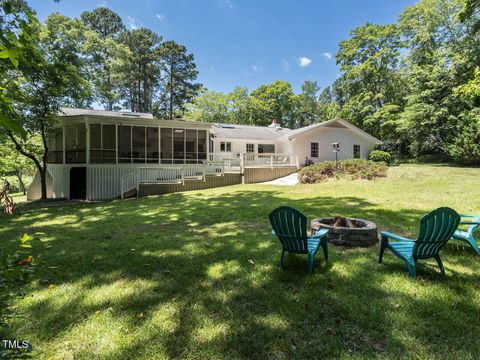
327, 55
227, 3
160, 17
285, 66
304, 61
255, 68
132, 23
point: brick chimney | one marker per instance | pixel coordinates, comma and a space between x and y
274, 124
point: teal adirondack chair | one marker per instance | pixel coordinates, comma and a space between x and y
467, 235
290, 226
436, 228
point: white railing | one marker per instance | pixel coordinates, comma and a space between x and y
128, 182
267, 160
232, 164
160, 175
193, 171
214, 168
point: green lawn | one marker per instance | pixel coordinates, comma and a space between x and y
194, 275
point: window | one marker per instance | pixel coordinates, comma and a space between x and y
356, 151
314, 150
266, 148
250, 148
225, 146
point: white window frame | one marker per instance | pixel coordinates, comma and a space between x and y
252, 148
317, 149
227, 146
359, 151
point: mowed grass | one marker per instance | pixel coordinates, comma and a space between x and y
194, 275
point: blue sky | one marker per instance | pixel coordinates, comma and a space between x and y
248, 42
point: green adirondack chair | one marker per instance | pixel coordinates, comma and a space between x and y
436, 228
467, 235
290, 226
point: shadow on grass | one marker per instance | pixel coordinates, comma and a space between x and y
212, 262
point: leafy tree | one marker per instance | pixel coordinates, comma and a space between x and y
36, 89
105, 22
308, 104
273, 101
140, 72
105, 52
177, 81
209, 106
13, 163
370, 62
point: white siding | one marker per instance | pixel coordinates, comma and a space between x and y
325, 137
239, 146
61, 180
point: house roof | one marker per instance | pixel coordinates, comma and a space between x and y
104, 113
335, 123
234, 131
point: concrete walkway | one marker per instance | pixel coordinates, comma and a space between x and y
288, 180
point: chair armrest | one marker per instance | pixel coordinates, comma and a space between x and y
394, 236
318, 234
469, 223
467, 216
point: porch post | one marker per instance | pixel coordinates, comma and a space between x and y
242, 162
271, 161
87, 141
63, 144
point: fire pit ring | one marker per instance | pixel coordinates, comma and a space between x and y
362, 234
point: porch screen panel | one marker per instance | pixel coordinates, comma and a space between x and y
75, 144
108, 137
152, 145
166, 146
138, 144
178, 146
55, 147
202, 145
191, 146
95, 136
124, 144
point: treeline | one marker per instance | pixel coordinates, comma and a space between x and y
120, 68
414, 84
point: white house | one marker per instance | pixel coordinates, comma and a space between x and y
95, 154
311, 143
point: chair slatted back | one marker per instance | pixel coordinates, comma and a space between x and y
436, 228
290, 225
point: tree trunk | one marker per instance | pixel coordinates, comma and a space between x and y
171, 93
43, 182
21, 184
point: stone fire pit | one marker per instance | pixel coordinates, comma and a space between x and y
349, 232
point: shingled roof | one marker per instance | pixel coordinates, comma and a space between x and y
103, 113
234, 131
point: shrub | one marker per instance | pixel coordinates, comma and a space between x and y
380, 156
355, 169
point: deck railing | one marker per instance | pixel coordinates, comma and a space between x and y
160, 175
267, 160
